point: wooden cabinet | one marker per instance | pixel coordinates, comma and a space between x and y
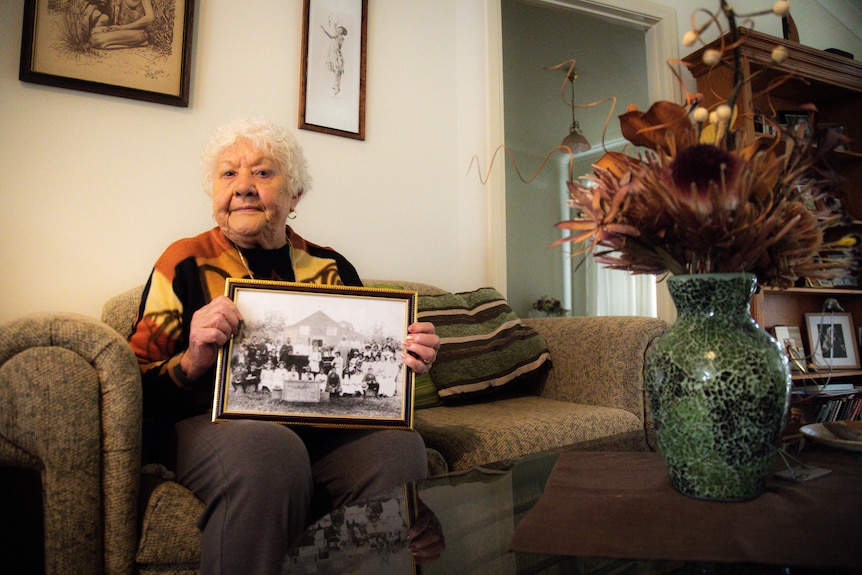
834, 85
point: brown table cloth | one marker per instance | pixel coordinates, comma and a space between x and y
622, 505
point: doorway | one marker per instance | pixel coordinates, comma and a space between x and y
613, 41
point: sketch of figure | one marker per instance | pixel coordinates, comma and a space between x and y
126, 28
97, 14
335, 57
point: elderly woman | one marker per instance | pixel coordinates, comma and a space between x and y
260, 481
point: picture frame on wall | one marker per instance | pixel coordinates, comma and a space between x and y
139, 49
317, 355
332, 82
832, 338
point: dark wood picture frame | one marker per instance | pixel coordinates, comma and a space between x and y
80, 47
332, 72
317, 355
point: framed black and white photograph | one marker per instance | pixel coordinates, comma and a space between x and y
332, 83
139, 49
318, 355
790, 338
832, 339
823, 128
797, 123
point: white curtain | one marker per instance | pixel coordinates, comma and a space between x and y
615, 292
607, 292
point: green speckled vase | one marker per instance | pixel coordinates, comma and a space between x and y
718, 387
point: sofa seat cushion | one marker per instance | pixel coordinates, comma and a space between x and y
482, 433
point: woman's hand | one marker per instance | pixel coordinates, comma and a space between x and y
425, 537
212, 326
420, 347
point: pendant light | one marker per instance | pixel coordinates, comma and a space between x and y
575, 140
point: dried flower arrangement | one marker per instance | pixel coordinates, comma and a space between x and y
702, 200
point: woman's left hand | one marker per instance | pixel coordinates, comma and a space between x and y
420, 347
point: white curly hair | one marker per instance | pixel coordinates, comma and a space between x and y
277, 142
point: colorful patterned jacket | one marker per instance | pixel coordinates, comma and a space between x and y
187, 276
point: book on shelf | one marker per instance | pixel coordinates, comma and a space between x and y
839, 409
806, 409
832, 388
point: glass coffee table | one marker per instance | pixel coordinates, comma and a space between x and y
479, 510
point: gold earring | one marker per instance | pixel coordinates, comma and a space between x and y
291, 215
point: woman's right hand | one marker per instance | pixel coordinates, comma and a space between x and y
212, 326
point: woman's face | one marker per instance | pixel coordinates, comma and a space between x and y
250, 198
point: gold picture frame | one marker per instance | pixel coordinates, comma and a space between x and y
317, 355
101, 46
332, 82
790, 339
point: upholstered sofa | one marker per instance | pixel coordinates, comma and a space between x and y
70, 407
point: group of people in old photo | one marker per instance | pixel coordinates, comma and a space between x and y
367, 367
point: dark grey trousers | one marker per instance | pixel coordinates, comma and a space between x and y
260, 482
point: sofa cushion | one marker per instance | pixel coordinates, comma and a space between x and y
484, 346
480, 433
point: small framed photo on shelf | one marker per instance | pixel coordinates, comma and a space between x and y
824, 128
317, 355
832, 338
790, 338
797, 123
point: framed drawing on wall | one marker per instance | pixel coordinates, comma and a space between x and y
317, 355
332, 82
833, 340
139, 49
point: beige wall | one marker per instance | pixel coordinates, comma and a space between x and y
95, 187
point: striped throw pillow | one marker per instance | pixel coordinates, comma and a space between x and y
484, 346
424, 392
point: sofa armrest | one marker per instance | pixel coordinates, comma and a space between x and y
70, 406
598, 360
